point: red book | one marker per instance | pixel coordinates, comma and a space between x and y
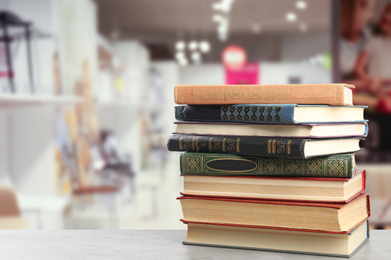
333, 217
333, 190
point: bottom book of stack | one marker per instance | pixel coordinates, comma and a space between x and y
334, 229
342, 244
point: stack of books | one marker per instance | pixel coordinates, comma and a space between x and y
272, 167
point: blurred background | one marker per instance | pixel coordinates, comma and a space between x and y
86, 95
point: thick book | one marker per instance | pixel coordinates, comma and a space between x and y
262, 146
218, 164
321, 94
337, 244
333, 217
263, 130
333, 190
271, 113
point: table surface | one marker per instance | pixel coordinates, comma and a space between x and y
146, 244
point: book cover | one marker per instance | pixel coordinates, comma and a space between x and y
327, 94
248, 146
258, 238
215, 164
273, 213
284, 202
315, 131
250, 113
289, 188
279, 228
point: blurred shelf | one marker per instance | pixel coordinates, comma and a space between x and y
147, 105
16, 100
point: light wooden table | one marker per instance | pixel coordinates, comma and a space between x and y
151, 244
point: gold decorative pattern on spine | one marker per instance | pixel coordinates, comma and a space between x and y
180, 143
274, 146
237, 145
196, 143
268, 146
192, 143
224, 144
289, 147
210, 144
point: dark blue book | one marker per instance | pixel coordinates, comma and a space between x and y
271, 113
263, 146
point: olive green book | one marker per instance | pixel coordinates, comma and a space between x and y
337, 166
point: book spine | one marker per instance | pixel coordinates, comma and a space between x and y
261, 94
249, 146
269, 114
334, 166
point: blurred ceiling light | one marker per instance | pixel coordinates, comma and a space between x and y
183, 62
223, 26
303, 27
256, 28
301, 4
217, 18
180, 55
193, 45
180, 45
290, 17
222, 36
223, 6
222, 29
196, 57
204, 46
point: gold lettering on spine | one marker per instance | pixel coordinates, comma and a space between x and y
224, 144
274, 146
289, 147
237, 145
268, 146
180, 143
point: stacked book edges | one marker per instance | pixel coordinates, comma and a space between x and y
272, 167
334, 229
340, 244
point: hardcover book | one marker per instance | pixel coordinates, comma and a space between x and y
333, 190
339, 244
322, 94
262, 146
215, 164
271, 113
264, 130
334, 217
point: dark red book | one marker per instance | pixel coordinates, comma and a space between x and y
333, 217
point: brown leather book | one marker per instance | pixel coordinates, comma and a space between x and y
323, 94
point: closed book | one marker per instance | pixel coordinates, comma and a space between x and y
218, 164
333, 217
338, 244
322, 94
263, 146
333, 190
271, 113
264, 130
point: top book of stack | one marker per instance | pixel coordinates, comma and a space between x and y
322, 94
